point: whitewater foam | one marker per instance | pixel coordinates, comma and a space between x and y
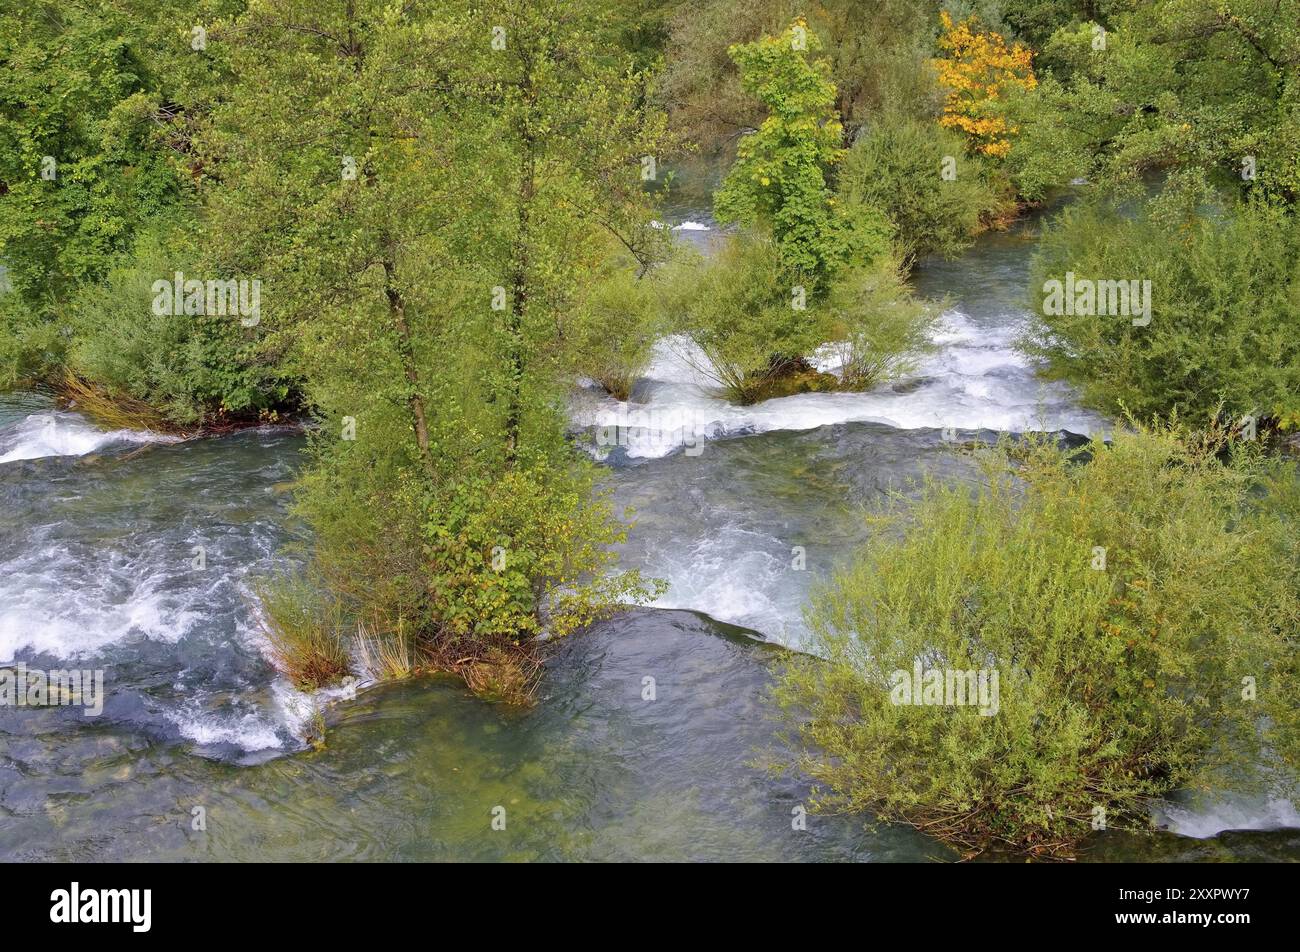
976, 380
60, 433
1208, 819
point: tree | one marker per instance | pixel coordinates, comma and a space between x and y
879, 56
425, 192
779, 178
978, 68
1204, 88
100, 105
93, 132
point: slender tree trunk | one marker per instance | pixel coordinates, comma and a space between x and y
406, 353
396, 303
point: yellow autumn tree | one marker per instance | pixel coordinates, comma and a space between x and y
977, 68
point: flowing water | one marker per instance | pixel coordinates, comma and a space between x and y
124, 552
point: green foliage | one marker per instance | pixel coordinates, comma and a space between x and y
740, 313
1118, 681
642, 27
1225, 314
1183, 84
1281, 500
1036, 20
779, 179
879, 55
811, 269
116, 96
192, 368
30, 345
897, 166
103, 90
612, 334
876, 329
738, 309
527, 549
427, 299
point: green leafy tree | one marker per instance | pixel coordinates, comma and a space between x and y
1223, 334
879, 57
779, 178
99, 104
1210, 87
426, 193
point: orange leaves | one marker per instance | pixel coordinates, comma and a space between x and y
977, 67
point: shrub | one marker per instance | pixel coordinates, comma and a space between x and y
739, 310
1225, 311
878, 330
525, 550
1121, 602
613, 336
190, 367
1282, 501
896, 166
29, 344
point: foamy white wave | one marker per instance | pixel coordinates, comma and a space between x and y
65, 434
119, 596
296, 708
250, 731
1206, 819
976, 380
684, 226
736, 576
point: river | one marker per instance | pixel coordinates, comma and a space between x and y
98, 566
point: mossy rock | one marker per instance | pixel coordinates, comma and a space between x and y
800, 381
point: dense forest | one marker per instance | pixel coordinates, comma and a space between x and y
416, 229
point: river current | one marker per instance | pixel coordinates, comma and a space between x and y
199, 753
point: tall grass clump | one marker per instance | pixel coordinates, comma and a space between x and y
1136, 603
305, 631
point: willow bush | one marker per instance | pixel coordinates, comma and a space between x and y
898, 165
1136, 604
1224, 330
